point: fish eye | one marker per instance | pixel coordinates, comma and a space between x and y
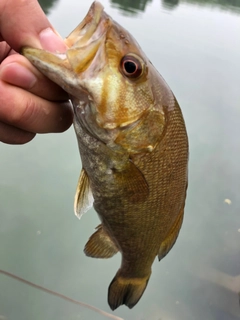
131, 66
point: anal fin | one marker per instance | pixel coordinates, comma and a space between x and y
83, 200
100, 245
171, 238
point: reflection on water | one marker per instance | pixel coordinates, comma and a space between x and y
47, 4
233, 5
134, 6
130, 6
170, 4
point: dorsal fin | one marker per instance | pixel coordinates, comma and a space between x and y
83, 200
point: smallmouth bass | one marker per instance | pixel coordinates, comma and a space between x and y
133, 146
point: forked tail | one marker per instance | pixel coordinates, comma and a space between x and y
126, 291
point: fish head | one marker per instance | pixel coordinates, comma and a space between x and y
111, 68
111, 82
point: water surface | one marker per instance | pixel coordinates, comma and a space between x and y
196, 47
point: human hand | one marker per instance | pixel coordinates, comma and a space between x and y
29, 102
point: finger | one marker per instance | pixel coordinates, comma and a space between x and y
18, 71
29, 112
12, 135
4, 50
24, 23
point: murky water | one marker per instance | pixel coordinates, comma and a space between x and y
196, 47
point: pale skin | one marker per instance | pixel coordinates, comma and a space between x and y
29, 102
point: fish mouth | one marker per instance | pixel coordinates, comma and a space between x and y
84, 42
84, 32
82, 47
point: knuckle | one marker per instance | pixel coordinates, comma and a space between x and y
16, 107
13, 135
24, 111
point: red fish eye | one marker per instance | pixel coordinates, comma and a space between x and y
131, 67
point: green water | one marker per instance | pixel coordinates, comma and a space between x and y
196, 47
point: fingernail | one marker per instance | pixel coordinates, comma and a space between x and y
51, 41
16, 74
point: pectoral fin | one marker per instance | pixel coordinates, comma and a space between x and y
83, 198
133, 182
100, 245
171, 238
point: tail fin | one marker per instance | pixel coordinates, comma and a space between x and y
126, 291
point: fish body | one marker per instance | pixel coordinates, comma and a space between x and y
133, 146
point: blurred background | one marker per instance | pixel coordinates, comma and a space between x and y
195, 45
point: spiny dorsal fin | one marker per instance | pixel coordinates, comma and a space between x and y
100, 245
171, 238
83, 198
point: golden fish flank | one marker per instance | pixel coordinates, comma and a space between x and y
133, 146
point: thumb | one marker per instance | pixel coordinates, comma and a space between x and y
24, 23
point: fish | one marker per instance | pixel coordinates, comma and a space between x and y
133, 146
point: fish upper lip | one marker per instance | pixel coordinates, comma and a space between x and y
92, 27
86, 41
